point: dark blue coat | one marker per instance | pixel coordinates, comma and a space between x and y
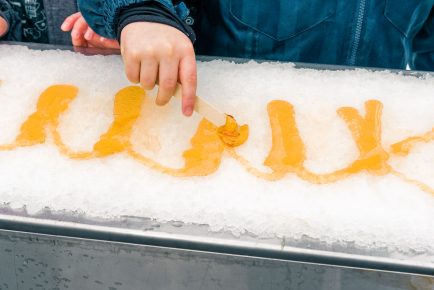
375, 33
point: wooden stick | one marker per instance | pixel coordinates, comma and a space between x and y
205, 109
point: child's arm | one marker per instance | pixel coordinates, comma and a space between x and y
83, 36
156, 44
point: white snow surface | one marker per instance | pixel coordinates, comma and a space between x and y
366, 210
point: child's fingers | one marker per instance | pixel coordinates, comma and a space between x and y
148, 73
132, 67
188, 79
68, 23
4, 26
132, 59
109, 43
92, 38
89, 34
167, 80
77, 33
102, 42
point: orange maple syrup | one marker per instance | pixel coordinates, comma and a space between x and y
287, 154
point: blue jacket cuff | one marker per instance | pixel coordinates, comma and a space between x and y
102, 15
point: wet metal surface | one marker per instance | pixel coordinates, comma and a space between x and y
30, 261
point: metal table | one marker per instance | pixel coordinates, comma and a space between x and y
59, 250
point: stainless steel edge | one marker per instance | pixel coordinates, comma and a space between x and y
211, 245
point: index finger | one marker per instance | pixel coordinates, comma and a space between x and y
188, 80
69, 22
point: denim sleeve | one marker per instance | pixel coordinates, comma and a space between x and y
423, 46
152, 12
13, 20
102, 15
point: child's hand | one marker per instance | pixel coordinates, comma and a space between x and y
4, 26
83, 36
157, 53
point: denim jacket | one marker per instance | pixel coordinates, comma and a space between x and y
54, 13
372, 33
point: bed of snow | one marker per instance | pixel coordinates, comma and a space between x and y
365, 210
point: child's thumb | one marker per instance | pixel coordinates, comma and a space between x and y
4, 26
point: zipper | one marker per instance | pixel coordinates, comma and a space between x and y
361, 11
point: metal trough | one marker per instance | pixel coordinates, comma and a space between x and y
68, 251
